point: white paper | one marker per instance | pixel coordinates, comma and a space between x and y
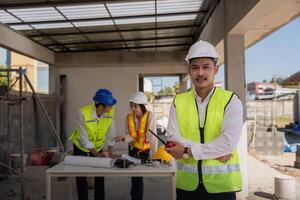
89, 161
132, 159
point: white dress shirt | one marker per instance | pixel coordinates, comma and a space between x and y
83, 140
225, 143
151, 125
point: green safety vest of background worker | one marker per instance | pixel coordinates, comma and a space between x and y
205, 125
95, 124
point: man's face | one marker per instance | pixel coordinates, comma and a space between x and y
202, 72
103, 109
107, 109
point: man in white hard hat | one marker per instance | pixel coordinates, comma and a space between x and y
205, 124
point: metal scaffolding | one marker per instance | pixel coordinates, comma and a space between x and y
21, 75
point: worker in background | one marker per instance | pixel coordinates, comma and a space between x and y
206, 124
142, 144
95, 127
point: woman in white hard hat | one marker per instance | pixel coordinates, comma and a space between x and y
141, 144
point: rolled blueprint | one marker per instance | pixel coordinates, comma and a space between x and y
89, 161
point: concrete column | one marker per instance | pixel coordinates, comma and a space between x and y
51, 80
234, 55
183, 83
296, 106
235, 66
35, 74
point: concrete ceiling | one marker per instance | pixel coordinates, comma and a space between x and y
255, 19
124, 25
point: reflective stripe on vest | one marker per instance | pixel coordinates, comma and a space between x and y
96, 128
139, 134
216, 176
187, 168
214, 169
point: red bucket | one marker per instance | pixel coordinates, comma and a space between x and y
40, 157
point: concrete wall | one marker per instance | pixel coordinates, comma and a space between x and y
266, 112
263, 116
36, 129
118, 71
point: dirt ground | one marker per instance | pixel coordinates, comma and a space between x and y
262, 170
283, 163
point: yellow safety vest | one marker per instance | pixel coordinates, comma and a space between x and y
217, 177
139, 134
96, 128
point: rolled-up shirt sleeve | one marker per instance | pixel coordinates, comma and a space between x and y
128, 138
111, 133
83, 140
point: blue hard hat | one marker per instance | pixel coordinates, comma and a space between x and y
105, 97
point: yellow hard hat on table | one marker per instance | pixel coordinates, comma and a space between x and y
162, 154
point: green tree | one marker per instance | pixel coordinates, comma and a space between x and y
149, 96
166, 91
3, 76
277, 79
176, 88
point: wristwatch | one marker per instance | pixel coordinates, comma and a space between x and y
185, 154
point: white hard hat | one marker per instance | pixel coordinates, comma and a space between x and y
139, 98
201, 49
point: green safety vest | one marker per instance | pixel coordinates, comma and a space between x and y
217, 177
96, 128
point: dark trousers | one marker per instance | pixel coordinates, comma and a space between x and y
81, 182
137, 188
201, 193
137, 184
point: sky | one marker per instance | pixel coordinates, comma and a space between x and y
159, 83
277, 55
3, 56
